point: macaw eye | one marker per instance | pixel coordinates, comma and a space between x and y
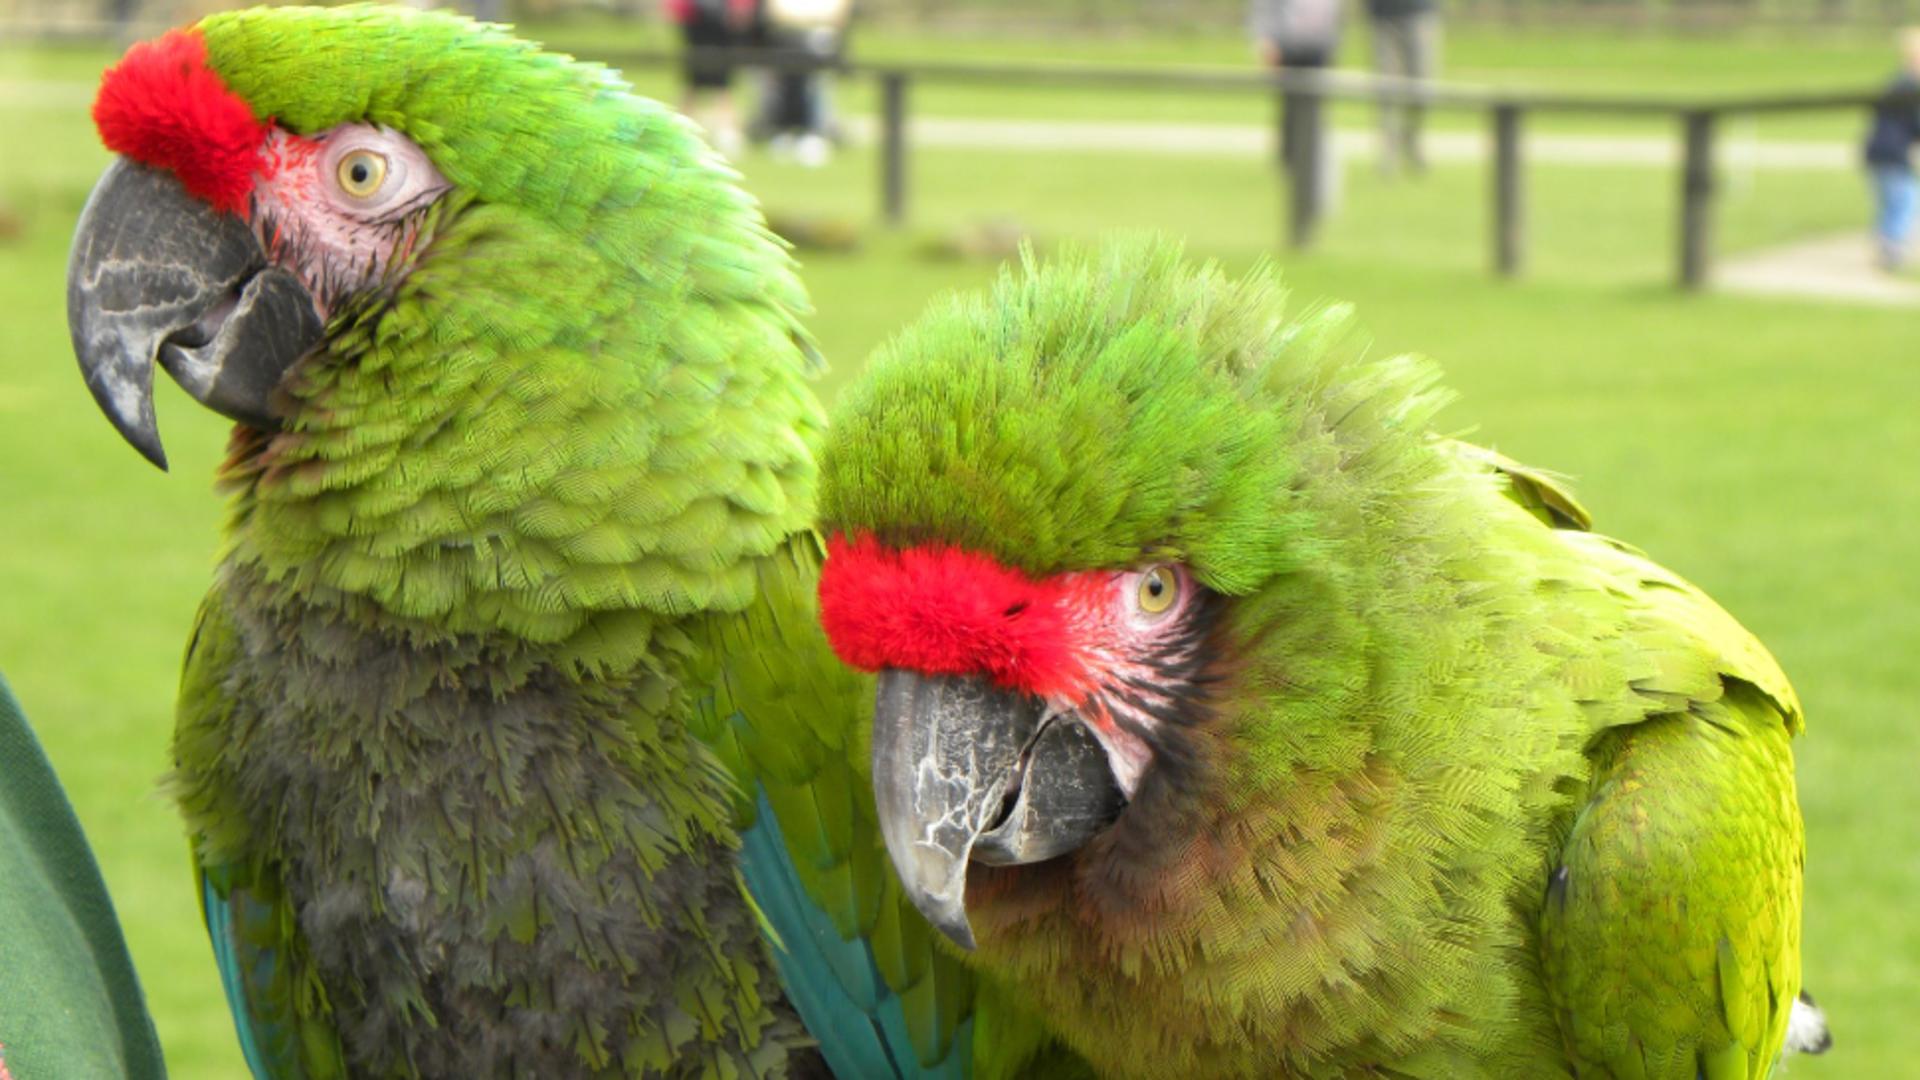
361, 172
1159, 588
370, 173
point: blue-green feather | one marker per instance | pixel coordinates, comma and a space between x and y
226, 957
833, 982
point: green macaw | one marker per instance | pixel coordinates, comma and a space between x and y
510, 672
1245, 727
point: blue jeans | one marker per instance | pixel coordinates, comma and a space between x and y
1894, 191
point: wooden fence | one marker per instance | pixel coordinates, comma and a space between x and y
1697, 124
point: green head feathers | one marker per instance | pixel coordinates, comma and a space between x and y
1110, 407
506, 122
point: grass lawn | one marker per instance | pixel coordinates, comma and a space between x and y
1761, 448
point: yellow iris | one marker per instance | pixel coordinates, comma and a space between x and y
1158, 588
361, 173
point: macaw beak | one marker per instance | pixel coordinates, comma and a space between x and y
965, 771
158, 275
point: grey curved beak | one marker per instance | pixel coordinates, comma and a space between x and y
964, 771
158, 276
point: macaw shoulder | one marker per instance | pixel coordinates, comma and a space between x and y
1641, 627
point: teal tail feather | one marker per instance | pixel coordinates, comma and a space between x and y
832, 982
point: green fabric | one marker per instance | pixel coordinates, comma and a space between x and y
70, 1005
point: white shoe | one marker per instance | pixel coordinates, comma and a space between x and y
812, 150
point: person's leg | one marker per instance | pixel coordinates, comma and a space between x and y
1285, 100
793, 102
689, 71
709, 84
1422, 42
1289, 116
1295, 105
1270, 62
725, 128
813, 149
1895, 192
1308, 148
1388, 60
1885, 252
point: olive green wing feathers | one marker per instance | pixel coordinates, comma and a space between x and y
280, 1017
1670, 926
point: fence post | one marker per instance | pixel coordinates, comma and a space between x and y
893, 147
1282, 134
1696, 199
1509, 196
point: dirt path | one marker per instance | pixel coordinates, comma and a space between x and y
1838, 267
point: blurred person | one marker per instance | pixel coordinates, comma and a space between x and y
795, 110
1300, 35
708, 96
1896, 126
70, 1004
1406, 45
1296, 34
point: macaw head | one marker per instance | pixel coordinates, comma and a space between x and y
1049, 512
478, 310
285, 173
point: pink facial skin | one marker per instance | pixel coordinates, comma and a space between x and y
1124, 650
339, 208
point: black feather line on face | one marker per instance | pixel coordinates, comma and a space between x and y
1176, 795
407, 212
1177, 697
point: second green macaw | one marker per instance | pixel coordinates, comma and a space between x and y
510, 670
1246, 727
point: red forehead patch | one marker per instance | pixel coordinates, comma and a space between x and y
943, 611
162, 105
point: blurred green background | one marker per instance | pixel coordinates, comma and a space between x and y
1764, 447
